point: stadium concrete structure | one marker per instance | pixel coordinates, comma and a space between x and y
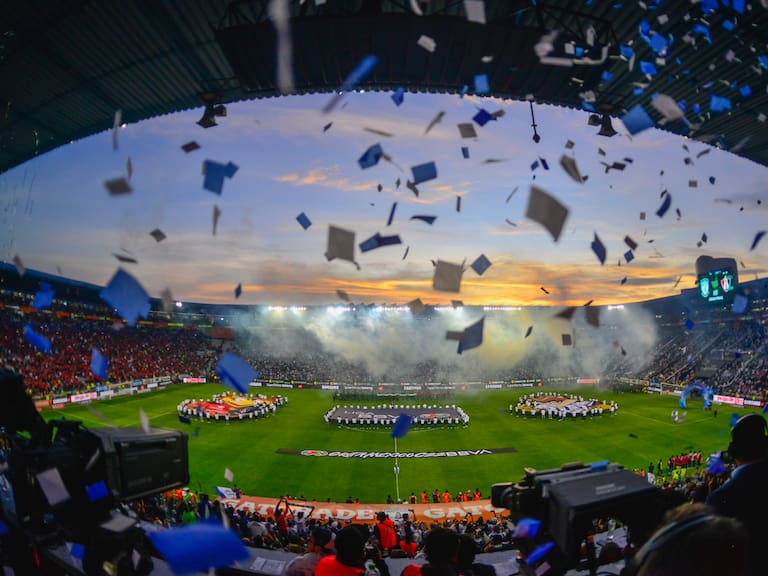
66, 67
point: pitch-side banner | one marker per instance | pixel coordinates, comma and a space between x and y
367, 512
365, 455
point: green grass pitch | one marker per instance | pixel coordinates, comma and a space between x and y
248, 448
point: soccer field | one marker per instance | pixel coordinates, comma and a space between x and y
642, 431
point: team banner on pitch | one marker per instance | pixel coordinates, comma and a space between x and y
364, 455
367, 512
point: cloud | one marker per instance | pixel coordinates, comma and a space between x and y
327, 177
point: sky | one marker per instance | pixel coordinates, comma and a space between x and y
58, 217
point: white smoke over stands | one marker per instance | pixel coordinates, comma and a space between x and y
393, 345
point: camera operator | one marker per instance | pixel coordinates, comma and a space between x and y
743, 496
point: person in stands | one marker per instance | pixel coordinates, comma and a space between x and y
408, 542
441, 547
350, 555
743, 496
466, 559
385, 533
320, 545
693, 541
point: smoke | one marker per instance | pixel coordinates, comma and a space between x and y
395, 345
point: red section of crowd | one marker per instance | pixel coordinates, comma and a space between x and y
131, 352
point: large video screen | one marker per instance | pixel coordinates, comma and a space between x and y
716, 285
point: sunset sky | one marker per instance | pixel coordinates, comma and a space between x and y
57, 215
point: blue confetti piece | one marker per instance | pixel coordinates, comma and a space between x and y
184, 419
682, 104
238, 290
527, 528
423, 172
664, 206
98, 365
37, 340
97, 491
370, 244
627, 52
534, 165
465, 151
198, 547
689, 324
77, 551
481, 264
428, 219
703, 30
716, 466
637, 119
464, 90
472, 337
539, 552
645, 27
398, 96
734, 418
745, 91
587, 106
391, 214
235, 372
658, 44
482, 117
606, 76
43, 297
738, 6
599, 249
127, 296
402, 426
377, 241
215, 173
740, 303
756, 240
647, 68
371, 156
3, 528
359, 72
728, 25
696, 108
599, 466
763, 59
629, 256
578, 52
765, 408
638, 90
481, 84
304, 220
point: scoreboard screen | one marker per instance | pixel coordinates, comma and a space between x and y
716, 285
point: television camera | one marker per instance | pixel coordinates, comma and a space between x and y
572, 501
62, 483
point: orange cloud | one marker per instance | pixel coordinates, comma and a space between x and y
505, 284
326, 177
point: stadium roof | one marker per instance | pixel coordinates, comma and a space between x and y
67, 66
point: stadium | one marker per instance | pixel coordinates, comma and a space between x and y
266, 377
